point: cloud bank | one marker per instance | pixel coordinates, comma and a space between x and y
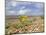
24, 8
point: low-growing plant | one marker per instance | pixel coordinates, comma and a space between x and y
18, 25
42, 17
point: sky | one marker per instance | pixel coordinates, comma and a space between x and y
24, 8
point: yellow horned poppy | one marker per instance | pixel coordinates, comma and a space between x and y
23, 18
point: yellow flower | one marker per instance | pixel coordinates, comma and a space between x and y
23, 18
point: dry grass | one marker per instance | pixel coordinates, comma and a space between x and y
34, 24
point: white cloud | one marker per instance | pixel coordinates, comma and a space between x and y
13, 3
22, 12
23, 7
10, 12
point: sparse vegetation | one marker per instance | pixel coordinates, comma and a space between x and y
42, 17
23, 24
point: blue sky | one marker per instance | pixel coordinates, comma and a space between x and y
24, 8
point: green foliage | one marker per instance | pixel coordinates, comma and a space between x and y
6, 31
6, 25
26, 23
18, 25
42, 17
21, 25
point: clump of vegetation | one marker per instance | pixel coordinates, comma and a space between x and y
42, 17
7, 26
24, 22
18, 25
23, 18
21, 25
